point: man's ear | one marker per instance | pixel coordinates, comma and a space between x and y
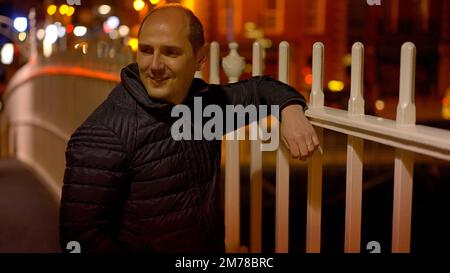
202, 55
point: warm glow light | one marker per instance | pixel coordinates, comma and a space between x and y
308, 79
104, 9
63, 9
40, 34
22, 36
189, 4
154, 2
335, 86
69, 28
249, 26
133, 43
83, 46
47, 48
347, 59
7, 53
446, 105
20, 24
138, 5
70, 11
446, 113
124, 30
51, 9
307, 70
51, 34
79, 71
379, 105
79, 31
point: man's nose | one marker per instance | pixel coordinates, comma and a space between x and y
157, 62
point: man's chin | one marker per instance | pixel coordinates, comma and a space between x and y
158, 93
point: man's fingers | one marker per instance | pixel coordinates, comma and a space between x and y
311, 146
293, 148
312, 142
304, 148
315, 140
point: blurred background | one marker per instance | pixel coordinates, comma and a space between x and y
101, 35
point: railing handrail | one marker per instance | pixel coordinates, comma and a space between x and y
31, 71
421, 139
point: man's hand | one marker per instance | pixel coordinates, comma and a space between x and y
297, 133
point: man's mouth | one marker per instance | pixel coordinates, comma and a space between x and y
158, 81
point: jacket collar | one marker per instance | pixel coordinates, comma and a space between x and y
133, 84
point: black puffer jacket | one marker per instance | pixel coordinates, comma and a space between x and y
130, 187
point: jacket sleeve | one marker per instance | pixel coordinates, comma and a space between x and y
262, 90
257, 91
95, 183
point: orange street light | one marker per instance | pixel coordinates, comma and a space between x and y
133, 43
51, 9
70, 11
138, 5
63, 9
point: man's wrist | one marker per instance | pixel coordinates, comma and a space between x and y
292, 107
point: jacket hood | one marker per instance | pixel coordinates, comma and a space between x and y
133, 84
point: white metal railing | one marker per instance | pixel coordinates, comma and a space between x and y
403, 134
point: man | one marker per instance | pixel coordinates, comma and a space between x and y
129, 186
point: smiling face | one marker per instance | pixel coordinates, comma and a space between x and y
165, 56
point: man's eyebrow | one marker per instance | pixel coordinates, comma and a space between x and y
173, 47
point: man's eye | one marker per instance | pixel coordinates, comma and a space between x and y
146, 50
172, 53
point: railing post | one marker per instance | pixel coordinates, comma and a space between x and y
316, 99
32, 39
314, 199
282, 169
233, 65
214, 50
404, 160
256, 169
355, 148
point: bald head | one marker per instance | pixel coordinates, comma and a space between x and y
170, 50
173, 12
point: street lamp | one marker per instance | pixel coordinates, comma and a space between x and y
7, 53
63, 9
20, 24
51, 9
138, 5
104, 9
80, 31
70, 11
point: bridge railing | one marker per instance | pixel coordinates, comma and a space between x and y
44, 103
402, 134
